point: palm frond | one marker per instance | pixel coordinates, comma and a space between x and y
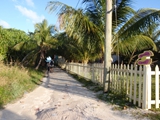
142, 19
137, 42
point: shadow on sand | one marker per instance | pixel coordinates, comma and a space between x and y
9, 115
59, 80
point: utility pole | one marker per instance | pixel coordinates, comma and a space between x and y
107, 46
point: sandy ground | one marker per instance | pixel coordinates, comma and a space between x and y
61, 97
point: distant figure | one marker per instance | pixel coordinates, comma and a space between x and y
115, 59
50, 64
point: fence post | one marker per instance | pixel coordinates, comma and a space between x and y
85, 69
146, 104
157, 86
135, 85
92, 69
78, 69
140, 94
67, 67
70, 67
130, 84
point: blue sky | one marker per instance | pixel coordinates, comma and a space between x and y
23, 14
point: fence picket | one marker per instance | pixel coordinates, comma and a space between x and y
130, 92
124, 80
140, 87
92, 68
149, 87
144, 102
114, 78
137, 83
157, 86
127, 79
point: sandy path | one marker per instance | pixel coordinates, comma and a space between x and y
61, 97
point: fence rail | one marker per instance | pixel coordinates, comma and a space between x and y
139, 83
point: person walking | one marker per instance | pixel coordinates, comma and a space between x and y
50, 64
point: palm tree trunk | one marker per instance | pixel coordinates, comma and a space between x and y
40, 61
85, 61
132, 56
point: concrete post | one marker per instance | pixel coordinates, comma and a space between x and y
107, 46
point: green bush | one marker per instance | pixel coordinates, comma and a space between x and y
15, 81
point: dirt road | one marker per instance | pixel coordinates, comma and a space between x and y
61, 97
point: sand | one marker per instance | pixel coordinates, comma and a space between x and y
61, 97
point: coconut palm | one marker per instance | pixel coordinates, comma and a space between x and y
73, 50
153, 32
85, 33
40, 42
127, 24
67, 47
130, 36
43, 35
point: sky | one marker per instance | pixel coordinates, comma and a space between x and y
23, 14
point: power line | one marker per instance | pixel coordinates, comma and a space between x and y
77, 4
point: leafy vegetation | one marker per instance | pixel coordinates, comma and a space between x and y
83, 35
15, 82
8, 39
85, 27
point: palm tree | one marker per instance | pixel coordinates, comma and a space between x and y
40, 42
73, 50
43, 35
130, 38
85, 33
127, 24
67, 47
153, 32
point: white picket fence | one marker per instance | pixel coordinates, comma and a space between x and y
139, 83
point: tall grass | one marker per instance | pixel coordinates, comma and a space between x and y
15, 82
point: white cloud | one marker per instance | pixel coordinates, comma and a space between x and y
30, 3
30, 14
4, 24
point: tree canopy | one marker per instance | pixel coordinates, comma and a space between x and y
86, 25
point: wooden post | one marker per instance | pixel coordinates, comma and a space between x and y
140, 87
93, 77
146, 103
130, 84
149, 86
157, 86
135, 85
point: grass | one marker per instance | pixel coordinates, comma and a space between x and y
112, 98
152, 116
15, 82
120, 101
